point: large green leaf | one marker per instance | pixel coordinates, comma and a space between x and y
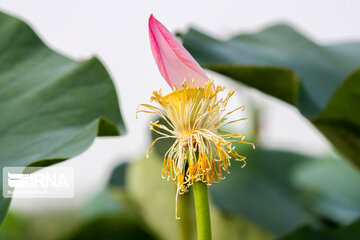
322, 81
51, 107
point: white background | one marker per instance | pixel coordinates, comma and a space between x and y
116, 31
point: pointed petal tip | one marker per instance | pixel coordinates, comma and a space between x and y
153, 22
151, 18
174, 62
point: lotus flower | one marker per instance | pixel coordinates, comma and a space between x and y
194, 114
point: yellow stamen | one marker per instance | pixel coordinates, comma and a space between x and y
201, 151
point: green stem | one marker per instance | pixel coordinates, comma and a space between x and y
202, 211
185, 221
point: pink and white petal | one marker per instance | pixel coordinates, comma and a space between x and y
173, 60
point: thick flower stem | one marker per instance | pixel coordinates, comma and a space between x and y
202, 211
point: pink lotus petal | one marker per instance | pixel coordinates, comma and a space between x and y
174, 62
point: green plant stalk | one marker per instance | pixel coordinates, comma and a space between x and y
202, 211
185, 221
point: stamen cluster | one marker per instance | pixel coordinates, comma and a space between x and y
195, 116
